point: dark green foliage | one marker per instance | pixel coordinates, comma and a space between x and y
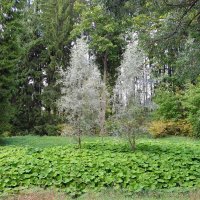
46, 129
46, 49
35, 42
98, 165
10, 54
57, 22
31, 89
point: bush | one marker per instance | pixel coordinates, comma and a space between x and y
185, 128
169, 106
66, 129
164, 128
51, 130
157, 129
191, 102
46, 129
7, 134
113, 127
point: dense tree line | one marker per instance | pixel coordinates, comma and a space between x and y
36, 38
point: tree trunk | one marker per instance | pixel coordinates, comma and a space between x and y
131, 139
103, 97
79, 138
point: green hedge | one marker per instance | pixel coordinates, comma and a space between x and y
100, 165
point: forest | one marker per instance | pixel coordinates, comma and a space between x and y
100, 95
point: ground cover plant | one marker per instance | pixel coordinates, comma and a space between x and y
159, 164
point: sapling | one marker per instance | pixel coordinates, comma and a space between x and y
81, 91
127, 102
131, 119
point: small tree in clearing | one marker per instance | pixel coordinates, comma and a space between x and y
81, 91
131, 119
127, 105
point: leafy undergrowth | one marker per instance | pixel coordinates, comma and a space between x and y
155, 165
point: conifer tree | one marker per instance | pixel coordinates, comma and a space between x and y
10, 54
47, 48
57, 22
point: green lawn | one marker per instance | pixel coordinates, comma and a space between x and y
53, 141
36, 141
49, 141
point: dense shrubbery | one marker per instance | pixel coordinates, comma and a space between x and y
169, 106
163, 128
113, 127
191, 102
99, 165
177, 113
47, 129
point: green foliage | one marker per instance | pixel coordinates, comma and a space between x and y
46, 48
168, 33
10, 54
131, 119
97, 165
113, 127
106, 38
163, 128
191, 102
47, 129
169, 105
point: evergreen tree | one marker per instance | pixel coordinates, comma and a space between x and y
30, 74
57, 20
10, 54
47, 48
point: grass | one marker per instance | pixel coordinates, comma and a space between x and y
36, 141
52, 141
48, 141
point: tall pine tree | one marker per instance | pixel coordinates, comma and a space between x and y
10, 54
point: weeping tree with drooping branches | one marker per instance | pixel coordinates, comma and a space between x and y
81, 91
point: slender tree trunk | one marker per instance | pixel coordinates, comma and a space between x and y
79, 138
131, 139
103, 97
79, 141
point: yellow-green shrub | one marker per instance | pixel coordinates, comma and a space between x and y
185, 127
157, 129
163, 128
66, 129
